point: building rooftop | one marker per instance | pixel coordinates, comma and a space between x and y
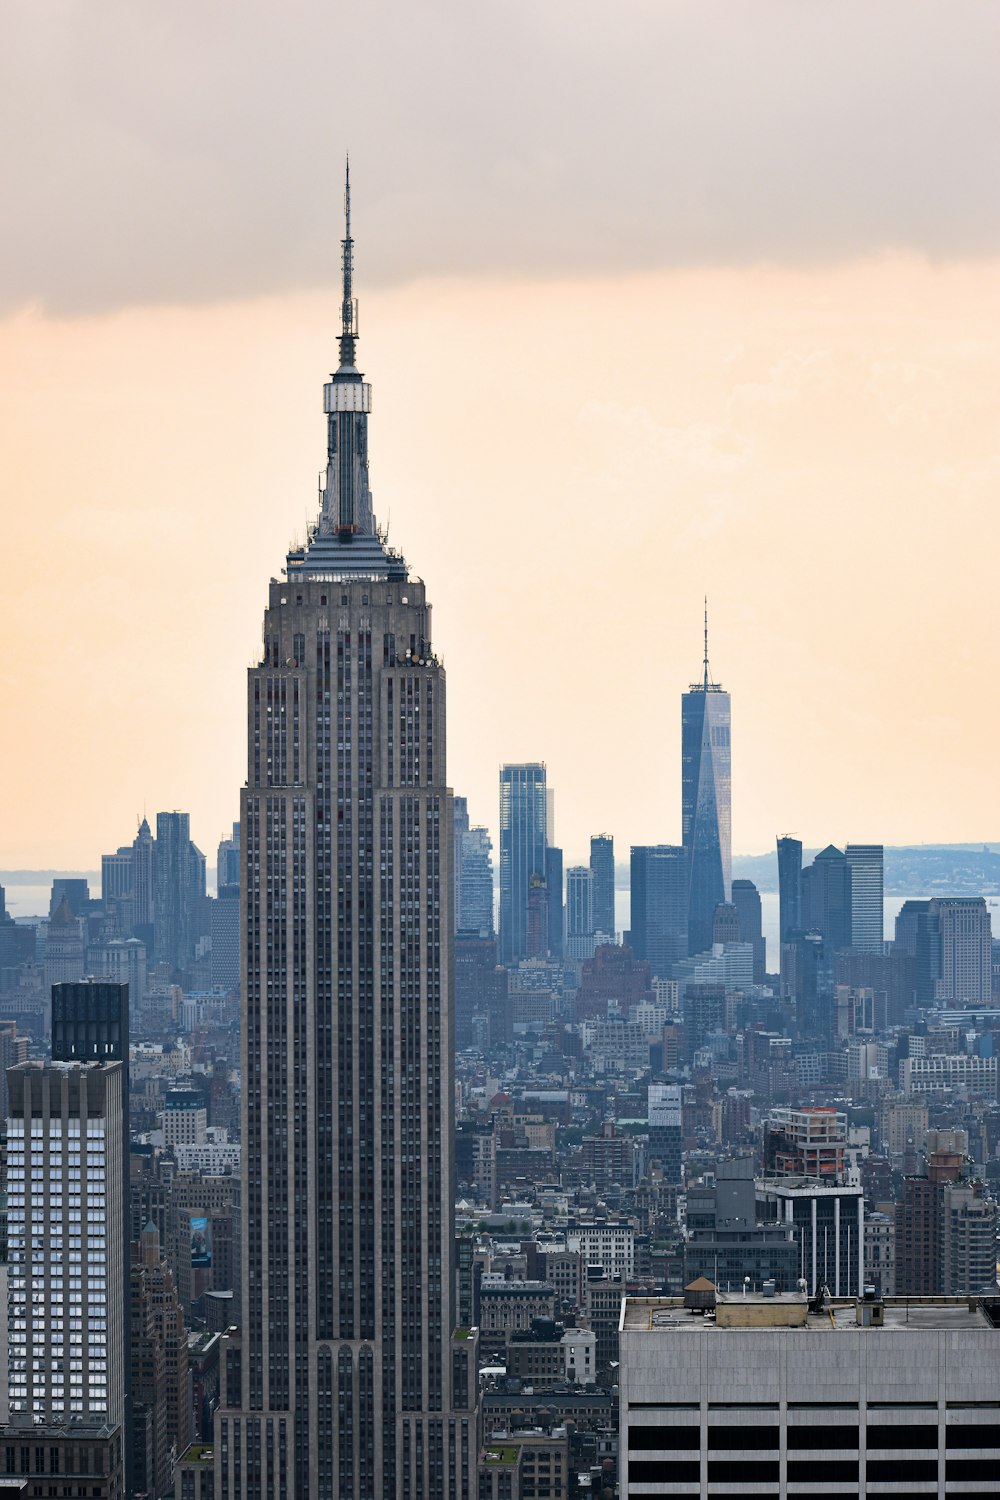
790, 1310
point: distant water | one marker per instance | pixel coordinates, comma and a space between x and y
31, 899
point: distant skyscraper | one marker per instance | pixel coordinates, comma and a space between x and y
474, 899
659, 901
864, 861
178, 890
74, 891
826, 898
746, 899
554, 897
602, 866
918, 934
460, 827
966, 949
523, 842
227, 863
789, 887
579, 912
142, 885
64, 946
352, 1382
706, 801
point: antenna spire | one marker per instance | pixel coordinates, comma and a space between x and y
706, 644
348, 306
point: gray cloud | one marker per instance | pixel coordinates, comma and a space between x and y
185, 150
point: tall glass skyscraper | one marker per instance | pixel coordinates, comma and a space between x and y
523, 841
789, 887
659, 905
706, 826
602, 865
351, 1381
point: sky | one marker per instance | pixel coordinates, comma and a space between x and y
657, 300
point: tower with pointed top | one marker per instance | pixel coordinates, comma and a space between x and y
351, 1379
706, 801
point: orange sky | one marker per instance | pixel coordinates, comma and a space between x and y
570, 464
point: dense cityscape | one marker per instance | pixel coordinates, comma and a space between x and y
353, 1180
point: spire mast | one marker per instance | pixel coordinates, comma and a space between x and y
706, 643
348, 306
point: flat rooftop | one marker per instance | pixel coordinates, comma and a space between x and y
784, 1312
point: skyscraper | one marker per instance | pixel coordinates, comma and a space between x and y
352, 1382
178, 889
554, 900
706, 802
965, 931
474, 899
524, 838
864, 861
579, 912
66, 1348
746, 899
789, 887
659, 904
826, 898
602, 866
460, 827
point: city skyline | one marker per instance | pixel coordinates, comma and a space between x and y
773, 402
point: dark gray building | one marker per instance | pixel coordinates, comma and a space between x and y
727, 1242
602, 867
706, 802
353, 1383
789, 887
826, 898
659, 905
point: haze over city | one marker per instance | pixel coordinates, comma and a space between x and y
736, 333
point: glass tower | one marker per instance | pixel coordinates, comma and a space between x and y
706, 802
351, 1380
523, 843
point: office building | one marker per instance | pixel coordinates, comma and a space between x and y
864, 864
524, 839
664, 1114
826, 898
918, 934
828, 1224
602, 867
965, 935
579, 912
64, 946
706, 802
554, 904
659, 906
789, 887
352, 1381
726, 1243
474, 898
178, 890
227, 862
773, 1397
142, 885
460, 827
746, 900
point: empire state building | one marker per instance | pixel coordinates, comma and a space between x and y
348, 1377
